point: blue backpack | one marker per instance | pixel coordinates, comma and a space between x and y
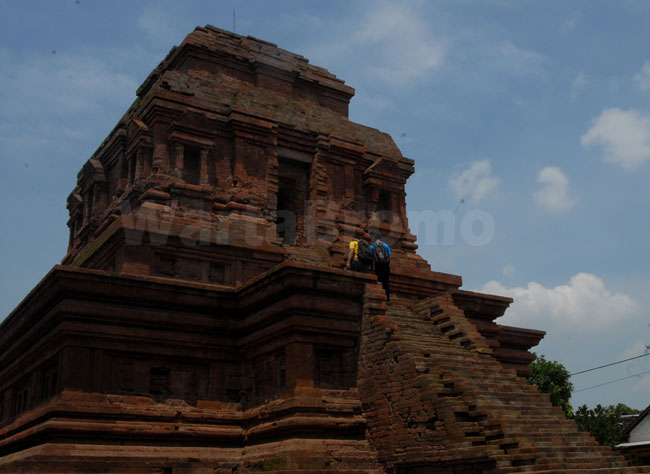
381, 253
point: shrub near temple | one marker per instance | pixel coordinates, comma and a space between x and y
604, 423
552, 377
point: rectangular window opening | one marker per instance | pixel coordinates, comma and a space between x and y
20, 398
132, 163
159, 378
293, 193
49, 380
89, 205
191, 165
385, 206
286, 216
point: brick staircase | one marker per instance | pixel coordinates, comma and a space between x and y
480, 417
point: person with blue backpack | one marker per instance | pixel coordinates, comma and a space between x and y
381, 263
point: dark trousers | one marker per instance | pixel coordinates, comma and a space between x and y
383, 275
357, 265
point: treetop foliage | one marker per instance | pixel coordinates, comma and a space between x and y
553, 378
604, 423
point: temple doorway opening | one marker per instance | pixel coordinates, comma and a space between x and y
293, 187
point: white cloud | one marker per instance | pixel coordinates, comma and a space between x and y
398, 42
553, 196
519, 60
401, 43
578, 85
639, 347
475, 183
643, 76
508, 270
583, 305
480, 53
624, 136
569, 24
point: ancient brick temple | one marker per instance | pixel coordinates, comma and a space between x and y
202, 321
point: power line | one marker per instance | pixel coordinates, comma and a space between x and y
607, 365
612, 381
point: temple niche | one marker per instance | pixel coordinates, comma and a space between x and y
202, 321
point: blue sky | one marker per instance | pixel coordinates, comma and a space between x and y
529, 123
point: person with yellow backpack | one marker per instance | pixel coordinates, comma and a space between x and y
359, 257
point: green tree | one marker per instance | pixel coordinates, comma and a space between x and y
603, 422
552, 377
